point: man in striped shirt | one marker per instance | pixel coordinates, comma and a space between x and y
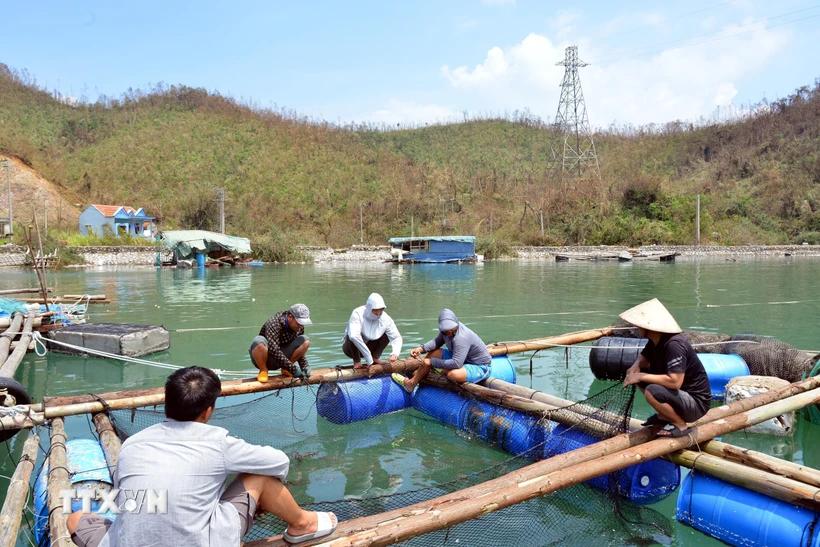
281, 344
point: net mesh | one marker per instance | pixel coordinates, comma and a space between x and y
379, 459
765, 356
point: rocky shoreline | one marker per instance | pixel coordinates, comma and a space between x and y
362, 253
12, 255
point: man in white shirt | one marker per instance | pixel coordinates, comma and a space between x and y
190, 461
368, 332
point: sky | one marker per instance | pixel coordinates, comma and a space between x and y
411, 63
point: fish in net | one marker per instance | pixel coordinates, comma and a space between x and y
357, 453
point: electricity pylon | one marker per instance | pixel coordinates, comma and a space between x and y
576, 149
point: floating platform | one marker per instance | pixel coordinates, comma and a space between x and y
119, 339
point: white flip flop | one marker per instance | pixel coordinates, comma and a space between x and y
324, 527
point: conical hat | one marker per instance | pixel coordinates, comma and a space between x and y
652, 315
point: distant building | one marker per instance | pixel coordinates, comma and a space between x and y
5, 227
120, 219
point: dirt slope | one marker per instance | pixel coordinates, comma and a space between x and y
32, 194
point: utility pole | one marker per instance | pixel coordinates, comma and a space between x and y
361, 224
220, 198
697, 220
577, 150
11, 201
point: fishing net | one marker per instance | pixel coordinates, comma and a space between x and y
9, 306
767, 356
390, 461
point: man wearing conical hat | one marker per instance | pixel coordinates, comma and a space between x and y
667, 371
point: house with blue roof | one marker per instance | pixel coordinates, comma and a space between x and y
120, 219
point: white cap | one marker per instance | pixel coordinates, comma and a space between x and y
652, 315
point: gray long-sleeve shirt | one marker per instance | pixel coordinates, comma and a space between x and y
465, 346
192, 461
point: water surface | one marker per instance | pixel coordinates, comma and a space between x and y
213, 314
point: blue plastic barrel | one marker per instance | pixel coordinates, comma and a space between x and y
346, 402
643, 483
503, 369
512, 431
87, 469
720, 369
739, 516
200, 259
446, 406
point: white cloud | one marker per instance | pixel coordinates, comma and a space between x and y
411, 113
685, 82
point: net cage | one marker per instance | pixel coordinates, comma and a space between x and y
323, 446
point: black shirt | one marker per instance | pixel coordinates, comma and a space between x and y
674, 353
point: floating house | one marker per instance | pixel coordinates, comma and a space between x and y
433, 249
199, 245
120, 219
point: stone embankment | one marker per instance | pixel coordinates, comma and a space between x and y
363, 253
12, 255
120, 256
682, 250
356, 253
15, 255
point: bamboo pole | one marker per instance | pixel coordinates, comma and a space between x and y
38, 320
62, 300
118, 400
108, 439
17, 493
596, 425
10, 366
8, 335
58, 482
505, 348
34, 290
335, 375
534, 480
84, 297
761, 461
770, 484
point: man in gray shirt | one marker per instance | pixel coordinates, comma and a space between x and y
191, 461
466, 358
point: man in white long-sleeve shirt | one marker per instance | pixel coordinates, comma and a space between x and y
368, 332
190, 461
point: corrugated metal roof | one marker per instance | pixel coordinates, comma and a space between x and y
189, 241
461, 239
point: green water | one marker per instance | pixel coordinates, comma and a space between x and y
501, 301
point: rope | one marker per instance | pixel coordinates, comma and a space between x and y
41, 350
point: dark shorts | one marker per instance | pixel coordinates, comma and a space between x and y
245, 504
90, 530
376, 347
684, 404
287, 349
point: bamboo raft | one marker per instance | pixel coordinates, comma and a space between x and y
773, 477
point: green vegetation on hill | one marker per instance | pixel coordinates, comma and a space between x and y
305, 182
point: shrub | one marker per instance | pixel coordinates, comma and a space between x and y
276, 247
492, 248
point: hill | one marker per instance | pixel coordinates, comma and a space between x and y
294, 180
